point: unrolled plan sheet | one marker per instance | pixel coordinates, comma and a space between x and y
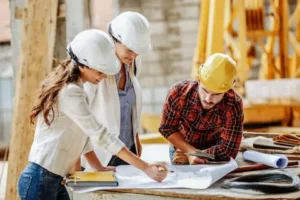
184, 176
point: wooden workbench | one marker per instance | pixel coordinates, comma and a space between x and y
212, 193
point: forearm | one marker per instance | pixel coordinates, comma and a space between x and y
227, 146
178, 140
132, 159
92, 159
77, 166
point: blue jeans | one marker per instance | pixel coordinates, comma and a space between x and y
171, 154
36, 182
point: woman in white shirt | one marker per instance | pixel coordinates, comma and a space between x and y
131, 34
65, 123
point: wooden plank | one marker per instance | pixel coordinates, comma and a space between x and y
38, 33
283, 38
61, 11
247, 134
242, 65
264, 113
263, 33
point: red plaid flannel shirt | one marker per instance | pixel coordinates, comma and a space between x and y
217, 130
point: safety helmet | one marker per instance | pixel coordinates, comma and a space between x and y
218, 73
133, 30
95, 49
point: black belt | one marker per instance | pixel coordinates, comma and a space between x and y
259, 182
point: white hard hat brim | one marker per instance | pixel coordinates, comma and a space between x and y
110, 65
141, 49
114, 63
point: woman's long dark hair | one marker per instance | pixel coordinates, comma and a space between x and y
66, 72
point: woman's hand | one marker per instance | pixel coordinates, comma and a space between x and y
157, 172
96, 164
108, 168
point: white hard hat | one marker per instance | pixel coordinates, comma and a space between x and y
133, 30
95, 49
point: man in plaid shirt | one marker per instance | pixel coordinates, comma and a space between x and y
205, 114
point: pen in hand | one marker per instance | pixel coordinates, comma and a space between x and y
164, 170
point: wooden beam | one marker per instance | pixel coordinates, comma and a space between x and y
268, 68
264, 114
296, 57
283, 38
37, 41
266, 134
61, 11
242, 65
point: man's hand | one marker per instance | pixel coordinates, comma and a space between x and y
179, 157
194, 160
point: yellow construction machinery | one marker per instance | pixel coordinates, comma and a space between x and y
263, 31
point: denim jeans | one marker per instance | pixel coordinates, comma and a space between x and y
35, 183
171, 154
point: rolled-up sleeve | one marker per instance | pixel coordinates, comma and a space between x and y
72, 102
171, 113
231, 135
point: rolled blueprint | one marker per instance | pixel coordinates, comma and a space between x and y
274, 160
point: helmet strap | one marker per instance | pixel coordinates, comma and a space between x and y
112, 35
74, 57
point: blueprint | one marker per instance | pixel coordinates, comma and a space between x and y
184, 176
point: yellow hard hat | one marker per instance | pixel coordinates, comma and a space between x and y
218, 72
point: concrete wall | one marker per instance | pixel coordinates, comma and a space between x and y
174, 26
6, 92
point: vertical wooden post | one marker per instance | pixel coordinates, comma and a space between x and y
38, 34
242, 68
296, 53
215, 32
199, 55
283, 38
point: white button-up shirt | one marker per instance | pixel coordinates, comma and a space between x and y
57, 147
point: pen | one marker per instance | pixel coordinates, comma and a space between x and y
164, 170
